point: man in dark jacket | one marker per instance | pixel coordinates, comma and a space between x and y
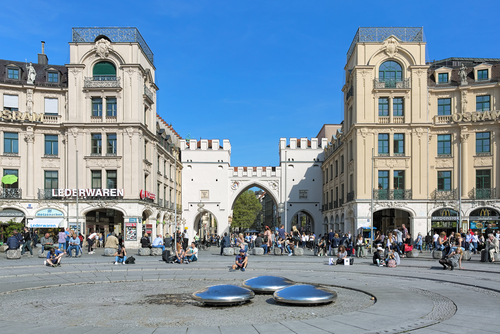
226, 242
13, 241
145, 243
27, 241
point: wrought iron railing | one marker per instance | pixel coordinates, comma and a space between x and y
444, 194
148, 93
160, 202
11, 193
335, 204
330, 206
341, 202
368, 34
350, 196
116, 35
392, 194
111, 82
392, 83
484, 193
45, 194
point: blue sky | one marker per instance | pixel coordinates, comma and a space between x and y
249, 71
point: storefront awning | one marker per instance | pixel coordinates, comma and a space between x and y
46, 222
5, 220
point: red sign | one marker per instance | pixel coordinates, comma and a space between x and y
131, 224
146, 194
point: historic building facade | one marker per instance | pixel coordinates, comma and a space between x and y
416, 146
84, 142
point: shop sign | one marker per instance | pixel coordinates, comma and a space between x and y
147, 195
11, 214
49, 213
444, 218
484, 218
443, 224
477, 116
132, 220
8, 115
87, 192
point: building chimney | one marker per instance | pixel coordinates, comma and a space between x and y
42, 57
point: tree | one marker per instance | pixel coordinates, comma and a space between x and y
245, 210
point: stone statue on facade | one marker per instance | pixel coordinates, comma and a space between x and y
463, 75
31, 73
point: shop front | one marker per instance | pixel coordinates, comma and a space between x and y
47, 221
444, 220
480, 218
104, 221
8, 216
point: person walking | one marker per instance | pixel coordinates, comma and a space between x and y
27, 242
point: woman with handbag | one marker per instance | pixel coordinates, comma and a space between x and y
341, 255
360, 246
418, 242
296, 236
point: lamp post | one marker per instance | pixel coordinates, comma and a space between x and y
281, 209
201, 210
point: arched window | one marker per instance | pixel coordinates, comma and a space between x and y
104, 71
390, 72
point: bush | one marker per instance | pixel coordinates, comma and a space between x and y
13, 226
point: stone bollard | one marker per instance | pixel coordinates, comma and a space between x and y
437, 254
497, 257
156, 251
413, 253
466, 256
4, 248
277, 251
110, 251
297, 251
228, 251
144, 251
13, 254
258, 251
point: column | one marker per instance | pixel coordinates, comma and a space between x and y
30, 138
465, 158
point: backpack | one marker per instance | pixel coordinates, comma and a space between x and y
266, 239
81, 238
130, 260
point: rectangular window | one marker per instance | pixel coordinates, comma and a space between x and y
444, 107
383, 179
444, 144
383, 143
165, 168
444, 181
111, 179
51, 106
96, 144
483, 103
399, 143
11, 102
336, 193
13, 73
51, 179
399, 179
51, 145
111, 106
303, 194
483, 142
351, 150
111, 144
15, 172
443, 78
53, 77
96, 179
341, 164
483, 179
146, 150
11, 142
482, 75
96, 107
397, 106
336, 168
383, 106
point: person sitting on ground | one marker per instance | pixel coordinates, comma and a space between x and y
492, 246
378, 257
120, 255
179, 254
145, 243
54, 257
158, 243
241, 261
452, 260
393, 255
112, 241
13, 241
74, 243
192, 253
341, 255
47, 242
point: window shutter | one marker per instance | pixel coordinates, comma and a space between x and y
51, 106
11, 101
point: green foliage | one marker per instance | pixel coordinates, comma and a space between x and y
245, 210
13, 226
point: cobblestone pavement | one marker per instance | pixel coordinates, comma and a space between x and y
90, 294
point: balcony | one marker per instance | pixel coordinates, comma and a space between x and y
102, 81
350, 196
391, 83
330, 206
335, 204
392, 194
444, 194
148, 94
341, 202
160, 202
51, 119
485, 193
46, 194
11, 193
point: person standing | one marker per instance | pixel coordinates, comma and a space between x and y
61, 239
27, 241
90, 241
225, 242
35, 238
268, 239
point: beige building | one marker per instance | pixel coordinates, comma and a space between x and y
85, 141
417, 141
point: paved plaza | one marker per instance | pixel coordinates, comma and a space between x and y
92, 295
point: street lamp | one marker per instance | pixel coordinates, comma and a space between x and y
281, 209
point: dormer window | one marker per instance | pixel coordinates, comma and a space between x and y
13, 73
53, 77
482, 72
482, 75
442, 78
